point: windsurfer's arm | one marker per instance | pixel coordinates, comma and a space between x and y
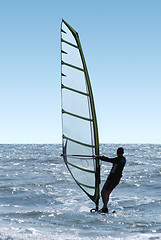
106, 159
103, 158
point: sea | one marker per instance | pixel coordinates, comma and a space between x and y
39, 200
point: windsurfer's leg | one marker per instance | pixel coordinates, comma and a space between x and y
105, 198
108, 187
105, 193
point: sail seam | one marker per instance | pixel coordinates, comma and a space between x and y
74, 90
84, 185
63, 31
71, 44
72, 66
63, 52
81, 143
85, 170
77, 116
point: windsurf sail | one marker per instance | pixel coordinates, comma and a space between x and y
79, 124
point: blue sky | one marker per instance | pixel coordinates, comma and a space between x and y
121, 40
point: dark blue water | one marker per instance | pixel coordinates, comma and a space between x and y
40, 200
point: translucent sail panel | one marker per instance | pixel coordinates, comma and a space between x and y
82, 162
75, 103
78, 129
82, 169
78, 149
71, 55
74, 78
85, 179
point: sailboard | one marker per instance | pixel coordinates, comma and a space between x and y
80, 141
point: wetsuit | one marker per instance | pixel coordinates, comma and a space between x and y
116, 171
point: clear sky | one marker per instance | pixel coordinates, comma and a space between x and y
121, 40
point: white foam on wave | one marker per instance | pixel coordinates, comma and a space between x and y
84, 209
32, 234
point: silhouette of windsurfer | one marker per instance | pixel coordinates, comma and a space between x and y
114, 177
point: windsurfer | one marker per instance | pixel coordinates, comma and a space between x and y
114, 177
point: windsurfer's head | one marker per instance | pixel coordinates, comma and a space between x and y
120, 151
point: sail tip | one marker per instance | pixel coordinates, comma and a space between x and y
63, 20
